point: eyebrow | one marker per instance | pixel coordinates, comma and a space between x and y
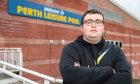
88, 20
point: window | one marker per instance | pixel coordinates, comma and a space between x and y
118, 43
107, 14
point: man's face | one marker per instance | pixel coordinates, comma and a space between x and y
93, 26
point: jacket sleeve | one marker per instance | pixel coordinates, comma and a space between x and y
80, 75
123, 70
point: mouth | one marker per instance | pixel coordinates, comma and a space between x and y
93, 30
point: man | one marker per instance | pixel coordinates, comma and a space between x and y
92, 60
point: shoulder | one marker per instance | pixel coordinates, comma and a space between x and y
112, 46
115, 49
72, 46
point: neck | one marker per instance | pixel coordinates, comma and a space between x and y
92, 40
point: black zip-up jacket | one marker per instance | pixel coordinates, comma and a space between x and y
96, 63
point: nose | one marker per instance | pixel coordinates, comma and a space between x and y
93, 25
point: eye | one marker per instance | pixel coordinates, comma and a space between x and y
99, 21
88, 22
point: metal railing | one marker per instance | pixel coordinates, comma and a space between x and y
13, 56
47, 79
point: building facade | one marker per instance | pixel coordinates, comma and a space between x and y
42, 40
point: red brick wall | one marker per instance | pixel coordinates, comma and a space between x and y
34, 36
77, 4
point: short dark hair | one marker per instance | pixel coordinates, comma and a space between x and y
92, 11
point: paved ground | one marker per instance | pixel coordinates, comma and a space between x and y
136, 81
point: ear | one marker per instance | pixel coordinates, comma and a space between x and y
104, 33
81, 28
